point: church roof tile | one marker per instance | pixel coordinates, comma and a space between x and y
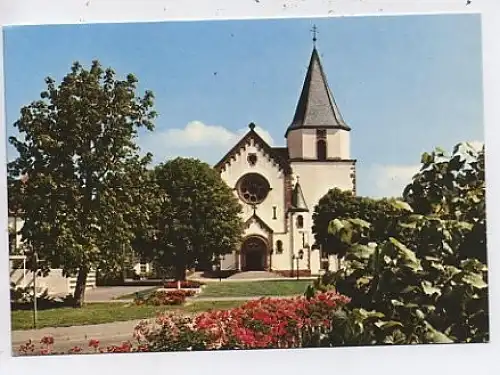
316, 107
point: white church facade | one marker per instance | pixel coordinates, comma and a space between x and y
279, 187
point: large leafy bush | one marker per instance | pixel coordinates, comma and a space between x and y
426, 279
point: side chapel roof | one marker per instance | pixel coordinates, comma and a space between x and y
298, 200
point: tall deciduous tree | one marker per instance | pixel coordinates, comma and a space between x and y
86, 183
200, 216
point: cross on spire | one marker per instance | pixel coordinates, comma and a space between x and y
314, 31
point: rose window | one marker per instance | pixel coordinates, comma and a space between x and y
253, 188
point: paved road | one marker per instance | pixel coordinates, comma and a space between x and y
67, 337
109, 293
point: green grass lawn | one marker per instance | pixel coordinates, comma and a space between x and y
97, 313
255, 288
142, 293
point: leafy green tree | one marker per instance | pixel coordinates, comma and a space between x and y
86, 184
339, 204
199, 217
452, 187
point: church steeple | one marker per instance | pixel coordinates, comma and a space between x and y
316, 108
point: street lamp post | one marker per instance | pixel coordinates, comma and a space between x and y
271, 252
220, 258
35, 307
298, 257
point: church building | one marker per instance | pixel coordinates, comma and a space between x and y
279, 187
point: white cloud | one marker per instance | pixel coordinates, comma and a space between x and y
390, 180
206, 142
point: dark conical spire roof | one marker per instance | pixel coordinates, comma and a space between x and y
298, 200
316, 107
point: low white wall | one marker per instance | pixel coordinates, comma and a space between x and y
54, 282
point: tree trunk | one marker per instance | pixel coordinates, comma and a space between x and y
180, 272
81, 281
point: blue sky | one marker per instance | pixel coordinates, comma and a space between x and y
404, 84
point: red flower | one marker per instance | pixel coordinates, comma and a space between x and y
47, 340
94, 343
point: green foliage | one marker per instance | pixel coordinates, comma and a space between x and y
198, 218
427, 283
338, 204
87, 188
453, 187
450, 186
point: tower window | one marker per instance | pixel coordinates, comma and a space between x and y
321, 134
274, 213
321, 149
300, 222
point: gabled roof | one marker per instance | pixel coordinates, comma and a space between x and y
259, 221
276, 154
282, 152
298, 200
316, 107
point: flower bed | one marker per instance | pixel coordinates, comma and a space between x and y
265, 323
187, 284
164, 297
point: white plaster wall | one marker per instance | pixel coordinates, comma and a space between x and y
338, 143
294, 143
315, 262
267, 168
229, 261
281, 261
302, 238
255, 228
309, 144
302, 144
17, 224
316, 178
55, 283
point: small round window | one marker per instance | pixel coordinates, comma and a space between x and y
253, 188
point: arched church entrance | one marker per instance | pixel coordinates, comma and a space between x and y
254, 252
